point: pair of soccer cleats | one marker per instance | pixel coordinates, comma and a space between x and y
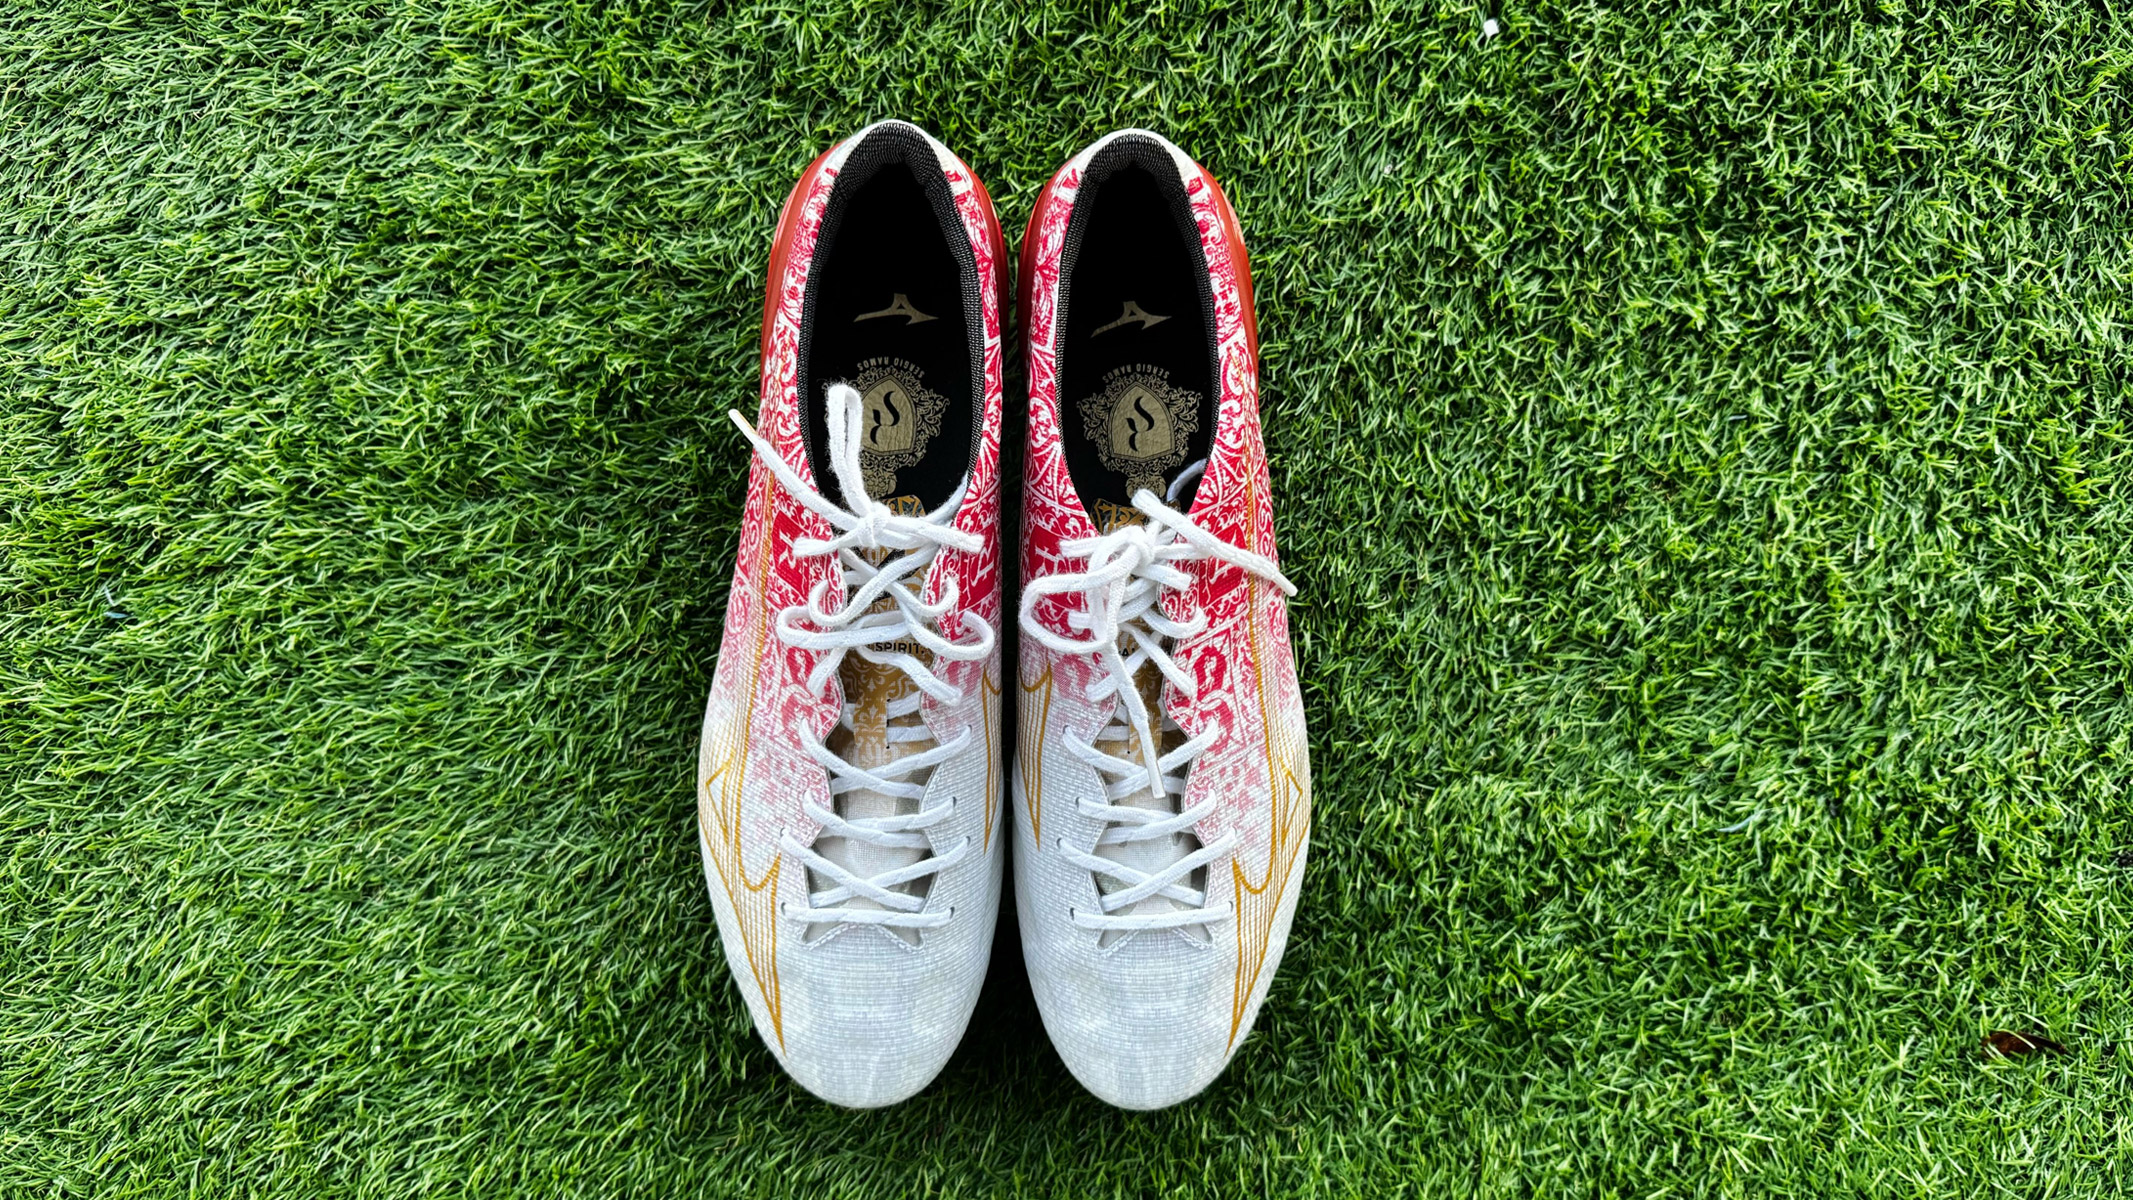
850, 786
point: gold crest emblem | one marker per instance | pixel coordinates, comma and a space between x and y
898, 417
1141, 425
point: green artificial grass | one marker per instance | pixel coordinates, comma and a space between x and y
1703, 436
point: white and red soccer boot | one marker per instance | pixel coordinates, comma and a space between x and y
1162, 790
848, 791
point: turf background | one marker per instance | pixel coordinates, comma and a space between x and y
1701, 432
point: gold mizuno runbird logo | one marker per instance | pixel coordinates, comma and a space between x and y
989, 708
899, 307
718, 806
1289, 815
1134, 312
1033, 714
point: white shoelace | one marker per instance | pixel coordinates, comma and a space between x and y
906, 545
1129, 568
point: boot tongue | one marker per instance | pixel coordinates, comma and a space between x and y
1177, 489
1110, 518
1156, 853
869, 688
